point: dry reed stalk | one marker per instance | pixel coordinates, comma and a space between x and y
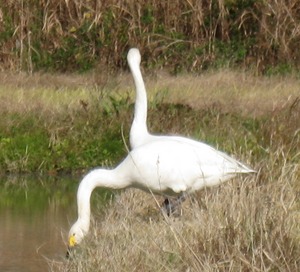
105, 30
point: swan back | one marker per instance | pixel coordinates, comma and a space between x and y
169, 166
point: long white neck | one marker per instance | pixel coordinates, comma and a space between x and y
139, 129
96, 178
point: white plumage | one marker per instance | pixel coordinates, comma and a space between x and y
168, 165
165, 166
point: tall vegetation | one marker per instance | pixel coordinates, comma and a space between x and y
194, 35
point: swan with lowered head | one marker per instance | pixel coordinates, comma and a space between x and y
165, 166
168, 165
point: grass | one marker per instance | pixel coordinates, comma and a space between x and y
244, 225
45, 128
71, 36
55, 123
248, 224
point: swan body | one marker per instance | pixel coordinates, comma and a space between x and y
168, 165
139, 134
164, 166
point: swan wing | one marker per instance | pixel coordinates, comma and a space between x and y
174, 166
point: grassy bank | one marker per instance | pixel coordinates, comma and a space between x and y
67, 123
249, 224
72, 123
50, 129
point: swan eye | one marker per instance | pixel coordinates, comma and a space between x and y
72, 240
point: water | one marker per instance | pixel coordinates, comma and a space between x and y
35, 216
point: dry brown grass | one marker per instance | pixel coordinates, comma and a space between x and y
38, 33
235, 91
249, 224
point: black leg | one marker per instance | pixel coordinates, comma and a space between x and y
170, 206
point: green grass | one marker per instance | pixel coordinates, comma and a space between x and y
55, 124
52, 132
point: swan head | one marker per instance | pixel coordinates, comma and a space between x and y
134, 56
76, 234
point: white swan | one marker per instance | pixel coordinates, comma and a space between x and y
168, 165
139, 134
165, 166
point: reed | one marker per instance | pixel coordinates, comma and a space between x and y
181, 35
